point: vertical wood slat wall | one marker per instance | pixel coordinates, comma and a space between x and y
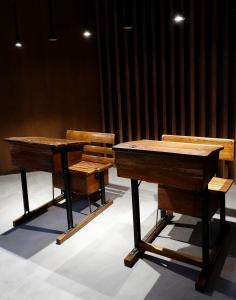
161, 77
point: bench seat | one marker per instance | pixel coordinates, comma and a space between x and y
221, 185
89, 172
187, 203
88, 168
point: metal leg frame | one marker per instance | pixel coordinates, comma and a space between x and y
89, 202
102, 187
64, 161
208, 260
105, 204
24, 190
134, 255
30, 214
141, 245
222, 215
204, 274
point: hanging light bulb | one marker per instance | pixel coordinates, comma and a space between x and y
179, 18
18, 42
126, 16
86, 20
87, 33
52, 37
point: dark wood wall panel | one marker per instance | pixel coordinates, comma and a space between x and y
163, 56
202, 72
137, 98
154, 109
176, 78
117, 71
191, 70
46, 87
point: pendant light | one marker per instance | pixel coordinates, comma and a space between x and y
127, 15
87, 32
179, 15
52, 37
18, 42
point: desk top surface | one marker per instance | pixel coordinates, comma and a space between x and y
45, 142
178, 148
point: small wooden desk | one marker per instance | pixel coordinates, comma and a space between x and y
44, 154
185, 166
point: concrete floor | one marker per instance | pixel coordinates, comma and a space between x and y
90, 264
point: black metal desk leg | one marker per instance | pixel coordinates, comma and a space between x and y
222, 214
205, 233
24, 190
102, 187
204, 274
135, 254
136, 212
64, 161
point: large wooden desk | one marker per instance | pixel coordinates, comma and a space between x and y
188, 167
45, 154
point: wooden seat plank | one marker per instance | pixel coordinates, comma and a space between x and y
220, 184
86, 172
169, 199
87, 167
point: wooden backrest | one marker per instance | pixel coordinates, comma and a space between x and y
227, 154
97, 151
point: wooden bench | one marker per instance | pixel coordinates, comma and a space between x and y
89, 174
185, 202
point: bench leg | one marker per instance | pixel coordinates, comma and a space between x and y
222, 214
102, 187
89, 203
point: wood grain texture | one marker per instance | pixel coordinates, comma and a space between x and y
45, 143
94, 159
186, 258
225, 154
195, 164
221, 185
190, 203
94, 137
168, 147
186, 202
82, 181
98, 149
39, 153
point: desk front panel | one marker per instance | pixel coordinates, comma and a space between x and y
30, 157
180, 171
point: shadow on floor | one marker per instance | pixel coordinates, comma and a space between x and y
27, 239
230, 212
218, 281
115, 191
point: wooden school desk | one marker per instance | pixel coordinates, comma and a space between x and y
45, 154
187, 167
